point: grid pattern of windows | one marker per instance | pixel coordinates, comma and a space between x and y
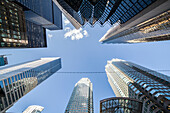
102, 11
144, 84
46, 12
14, 87
36, 35
128, 9
154, 29
15, 31
120, 105
81, 100
12, 25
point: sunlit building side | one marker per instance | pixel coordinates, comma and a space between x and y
81, 100
18, 80
150, 25
131, 80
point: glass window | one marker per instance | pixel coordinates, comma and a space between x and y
1, 85
6, 85
16, 80
10, 84
9, 98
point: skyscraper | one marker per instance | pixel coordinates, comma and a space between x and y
131, 80
80, 12
34, 109
23, 24
46, 14
18, 80
154, 29
81, 100
148, 25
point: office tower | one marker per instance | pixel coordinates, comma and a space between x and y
81, 100
3, 60
44, 13
149, 25
18, 80
12, 25
34, 109
120, 105
80, 12
131, 80
23, 24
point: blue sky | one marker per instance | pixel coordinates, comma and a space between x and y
80, 51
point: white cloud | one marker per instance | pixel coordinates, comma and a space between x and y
66, 22
50, 35
75, 34
85, 33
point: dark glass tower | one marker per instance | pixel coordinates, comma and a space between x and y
23, 23
12, 25
131, 80
42, 12
80, 12
18, 80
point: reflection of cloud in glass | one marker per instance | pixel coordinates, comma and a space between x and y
50, 35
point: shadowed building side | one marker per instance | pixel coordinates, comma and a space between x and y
80, 12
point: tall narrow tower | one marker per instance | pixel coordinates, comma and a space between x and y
131, 80
81, 100
18, 80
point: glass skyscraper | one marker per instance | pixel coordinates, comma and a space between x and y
18, 80
81, 100
42, 12
150, 24
23, 23
80, 12
131, 80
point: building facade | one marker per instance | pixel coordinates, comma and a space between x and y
120, 105
131, 80
18, 80
46, 14
81, 100
148, 25
34, 109
23, 24
80, 12
12, 25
